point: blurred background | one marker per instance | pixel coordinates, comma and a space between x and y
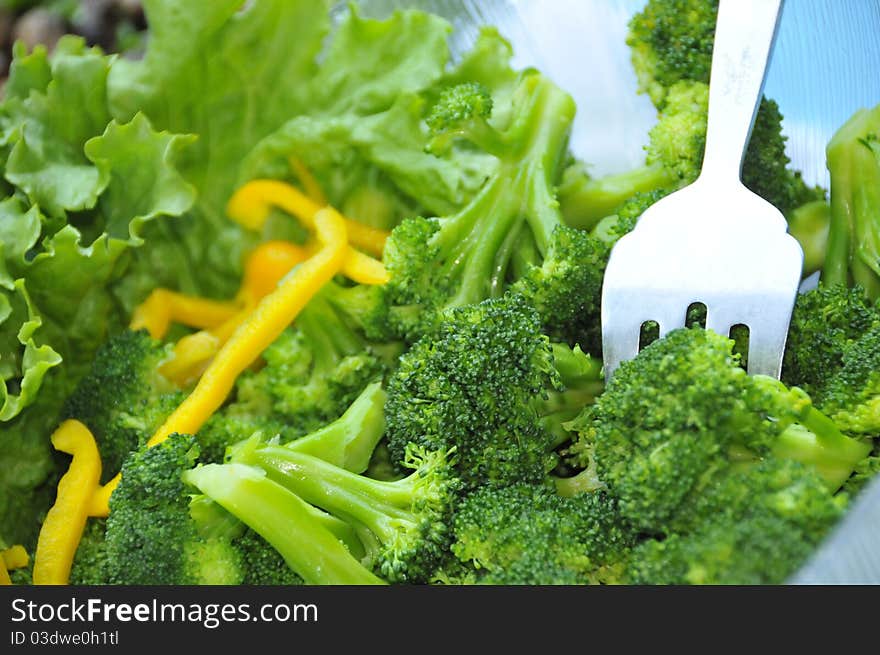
115, 25
826, 64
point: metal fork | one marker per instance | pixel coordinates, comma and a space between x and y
713, 242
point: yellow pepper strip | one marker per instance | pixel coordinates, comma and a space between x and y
367, 238
164, 306
15, 557
265, 268
12, 558
251, 204
308, 181
191, 356
270, 317
364, 269
62, 529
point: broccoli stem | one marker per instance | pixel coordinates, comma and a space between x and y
329, 345
817, 442
809, 224
585, 201
349, 441
473, 258
340, 492
480, 240
284, 520
542, 130
853, 167
484, 136
866, 245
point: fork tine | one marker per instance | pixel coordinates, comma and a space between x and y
767, 336
619, 344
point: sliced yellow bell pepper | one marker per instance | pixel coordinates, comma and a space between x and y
269, 318
163, 306
12, 558
265, 268
63, 527
251, 204
15, 557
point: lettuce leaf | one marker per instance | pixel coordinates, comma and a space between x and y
116, 174
81, 190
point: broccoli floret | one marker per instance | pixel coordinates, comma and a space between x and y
528, 534
313, 371
90, 563
670, 41
566, 289
853, 158
262, 564
404, 524
851, 395
179, 537
751, 526
463, 111
671, 48
151, 538
124, 398
310, 548
678, 140
765, 166
486, 383
438, 263
684, 409
825, 322
674, 155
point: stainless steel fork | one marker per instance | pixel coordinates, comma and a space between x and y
713, 242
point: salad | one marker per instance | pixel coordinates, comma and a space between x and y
296, 300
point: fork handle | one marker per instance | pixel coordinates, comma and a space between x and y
744, 35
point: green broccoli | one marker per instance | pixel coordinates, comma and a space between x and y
671, 44
674, 155
288, 523
851, 395
160, 531
684, 410
438, 263
825, 322
489, 383
402, 524
748, 526
124, 398
853, 158
313, 372
528, 534
151, 537
670, 41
